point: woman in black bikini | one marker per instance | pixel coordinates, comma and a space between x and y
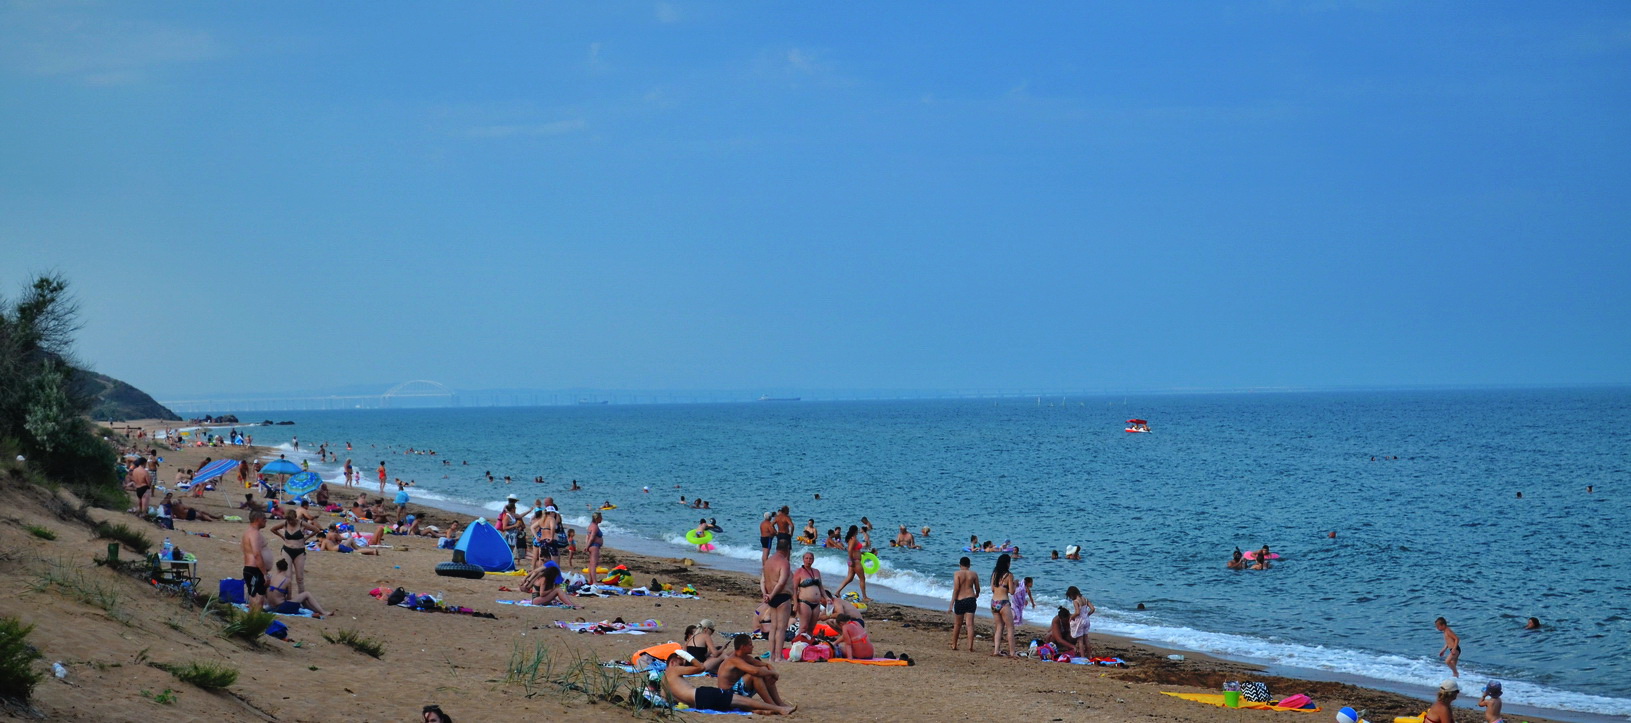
700, 644
1002, 611
807, 582
293, 530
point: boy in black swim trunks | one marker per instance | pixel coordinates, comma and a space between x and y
965, 592
681, 664
1451, 652
254, 561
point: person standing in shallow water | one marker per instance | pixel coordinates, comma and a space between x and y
1451, 652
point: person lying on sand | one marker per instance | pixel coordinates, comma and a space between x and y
681, 664
181, 511
332, 542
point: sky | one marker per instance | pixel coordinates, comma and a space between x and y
256, 197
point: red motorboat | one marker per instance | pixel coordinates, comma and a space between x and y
1138, 426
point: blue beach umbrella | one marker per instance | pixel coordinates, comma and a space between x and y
281, 466
303, 483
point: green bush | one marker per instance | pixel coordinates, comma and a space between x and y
204, 674
249, 626
17, 674
124, 535
355, 640
43, 533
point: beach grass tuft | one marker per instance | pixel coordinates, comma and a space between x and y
124, 535
77, 585
17, 674
540, 670
248, 626
354, 640
43, 533
205, 674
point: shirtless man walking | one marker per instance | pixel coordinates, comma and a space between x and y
1451, 652
743, 675
964, 594
777, 587
254, 561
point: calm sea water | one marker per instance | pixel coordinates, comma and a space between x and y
1437, 531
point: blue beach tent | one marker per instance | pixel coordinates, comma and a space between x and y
483, 546
214, 469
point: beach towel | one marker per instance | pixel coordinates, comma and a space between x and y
1217, 700
649, 626
304, 613
659, 653
869, 661
528, 604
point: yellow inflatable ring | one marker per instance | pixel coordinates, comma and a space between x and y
699, 539
870, 564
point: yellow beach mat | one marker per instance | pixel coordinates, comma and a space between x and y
1217, 700
1411, 718
869, 661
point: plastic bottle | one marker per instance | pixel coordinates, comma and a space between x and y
59, 670
168, 548
1033, 647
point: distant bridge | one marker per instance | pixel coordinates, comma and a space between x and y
415, 393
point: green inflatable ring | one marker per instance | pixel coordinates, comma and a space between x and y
870, 564
696, 539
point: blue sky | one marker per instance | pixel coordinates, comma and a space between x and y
754, 195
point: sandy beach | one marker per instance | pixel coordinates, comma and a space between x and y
461, 662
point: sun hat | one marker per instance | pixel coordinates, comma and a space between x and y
705, 623
513, 498
1450, 685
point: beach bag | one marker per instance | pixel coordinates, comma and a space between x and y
1296, 701
232, 590
277, 630
398, 595
1255, 692
816, 653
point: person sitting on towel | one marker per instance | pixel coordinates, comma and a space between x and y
681, 664
852, 639
1059, 633
743, 674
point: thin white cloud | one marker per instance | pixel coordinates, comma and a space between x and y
93, 48
800, 65
667, 13
554, 128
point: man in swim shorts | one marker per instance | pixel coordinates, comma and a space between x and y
254, 549
965, 591
783, 525
745, 676
767, 530
776, 585
681, 664
1451, 652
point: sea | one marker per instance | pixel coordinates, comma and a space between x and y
1485, 507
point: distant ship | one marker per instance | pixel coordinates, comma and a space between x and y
768, 398
591, 401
